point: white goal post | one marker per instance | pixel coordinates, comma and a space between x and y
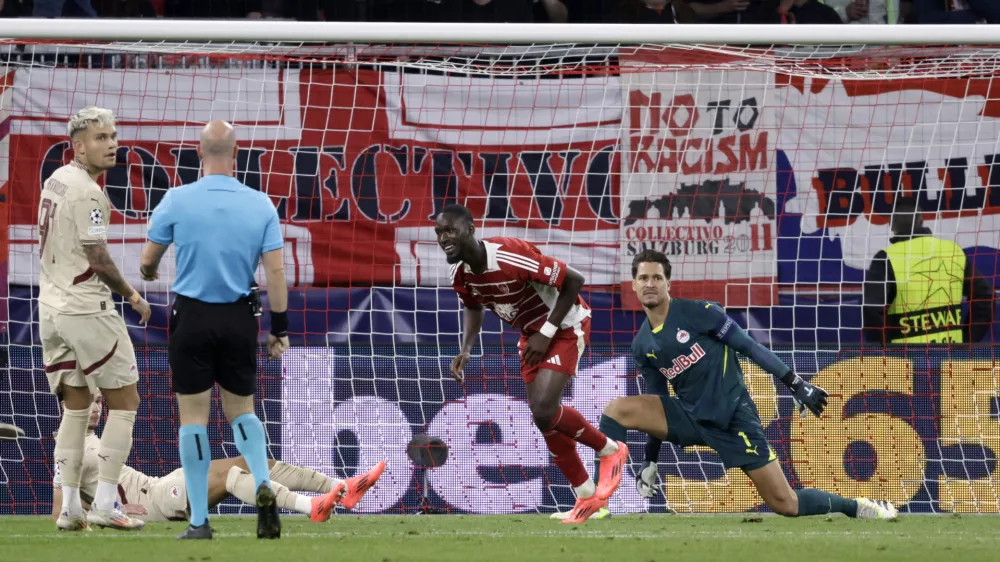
764, 160
479, 33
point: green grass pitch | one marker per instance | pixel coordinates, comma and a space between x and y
632, 538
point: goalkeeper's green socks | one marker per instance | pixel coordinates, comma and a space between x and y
818, 502
613, 431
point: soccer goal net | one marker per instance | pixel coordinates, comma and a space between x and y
767, 171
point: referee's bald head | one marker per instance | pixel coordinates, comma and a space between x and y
218, 140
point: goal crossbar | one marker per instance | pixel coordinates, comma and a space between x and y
478, 33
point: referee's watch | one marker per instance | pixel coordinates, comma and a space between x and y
279, 324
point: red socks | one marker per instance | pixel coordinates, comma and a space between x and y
568, 427
565, 457
572, 424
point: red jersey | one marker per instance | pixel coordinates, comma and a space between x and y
520, 285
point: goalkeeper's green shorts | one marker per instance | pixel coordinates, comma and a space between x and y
743, 444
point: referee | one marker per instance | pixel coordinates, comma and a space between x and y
222, 230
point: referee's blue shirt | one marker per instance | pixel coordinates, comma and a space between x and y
220, 227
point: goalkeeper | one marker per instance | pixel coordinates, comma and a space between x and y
693, 345
165, 499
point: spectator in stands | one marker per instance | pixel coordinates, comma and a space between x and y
657, 11
302, 10
276, 8
956, 11
63, 8
732, 11
914, 288
506, 11
869, 11
368, 10
807, 12
14, 8
213, 9
128, 8
988, 10
763, 11
554, 10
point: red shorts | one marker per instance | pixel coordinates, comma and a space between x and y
564, 351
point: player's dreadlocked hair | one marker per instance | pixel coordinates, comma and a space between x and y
458, 211
651, 256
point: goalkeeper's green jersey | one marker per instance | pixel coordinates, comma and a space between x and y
686, 351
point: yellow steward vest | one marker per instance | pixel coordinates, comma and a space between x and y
928, 305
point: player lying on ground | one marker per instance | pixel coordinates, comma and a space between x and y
165, 499
693, 345
540, 296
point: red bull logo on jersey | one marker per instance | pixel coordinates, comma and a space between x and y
684, 362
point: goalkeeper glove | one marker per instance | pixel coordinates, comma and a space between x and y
648, 480
805, 395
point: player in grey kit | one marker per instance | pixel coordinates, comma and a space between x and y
693, 345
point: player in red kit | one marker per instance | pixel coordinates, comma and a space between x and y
540, 296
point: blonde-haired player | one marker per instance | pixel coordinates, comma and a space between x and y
165, 499
85, 344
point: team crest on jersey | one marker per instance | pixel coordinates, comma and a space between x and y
503, 288
505, 311
683, 336
684, 362
96, 216
175, 492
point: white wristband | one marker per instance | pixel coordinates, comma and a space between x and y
548, 329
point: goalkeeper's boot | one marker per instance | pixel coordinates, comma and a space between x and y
602, 513
114, 518
202, 531
868, 509
585, 508
268, 522
357, 486
69, 522
322, 506
611, 471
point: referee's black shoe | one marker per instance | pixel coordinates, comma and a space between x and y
202, 531
268, 523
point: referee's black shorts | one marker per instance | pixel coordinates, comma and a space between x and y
213, 343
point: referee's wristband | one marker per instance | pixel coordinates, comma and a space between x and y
279, 324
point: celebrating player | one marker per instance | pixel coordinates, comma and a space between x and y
85, 344
687, 343
165, 499
539, 295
